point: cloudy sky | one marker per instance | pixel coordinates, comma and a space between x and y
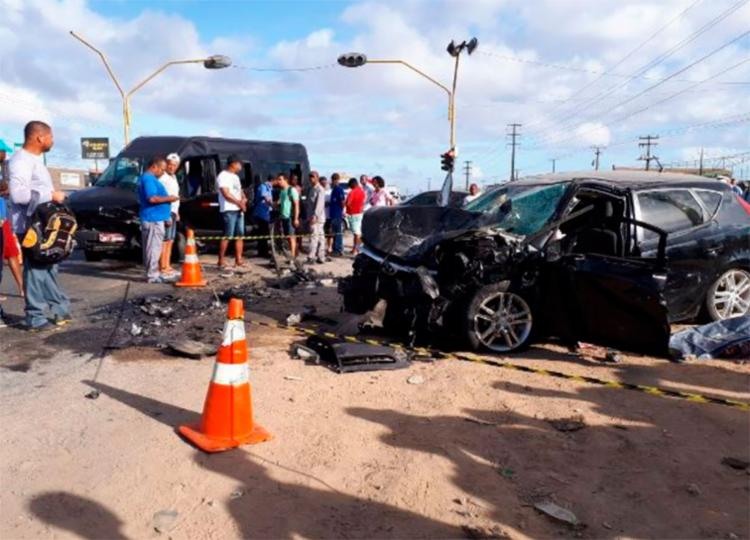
574, 73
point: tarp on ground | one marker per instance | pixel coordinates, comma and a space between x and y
729, 338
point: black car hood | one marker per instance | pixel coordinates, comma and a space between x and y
410, 232
93, 198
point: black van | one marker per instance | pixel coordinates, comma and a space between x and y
107, 213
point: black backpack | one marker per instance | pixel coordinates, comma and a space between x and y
49, 238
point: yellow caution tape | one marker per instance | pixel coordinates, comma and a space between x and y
472, 357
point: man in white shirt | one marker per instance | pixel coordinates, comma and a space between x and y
474, 193
30, 185
232, 205
169, 181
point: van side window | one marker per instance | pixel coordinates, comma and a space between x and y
672, 210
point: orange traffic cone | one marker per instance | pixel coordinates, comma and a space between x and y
227, 420
191, 268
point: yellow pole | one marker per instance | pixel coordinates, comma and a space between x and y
126, 96
451, 108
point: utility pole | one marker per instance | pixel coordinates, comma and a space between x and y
700, 168
467, 171
429, 184
649, 142
513, 136
553, 160
597, 153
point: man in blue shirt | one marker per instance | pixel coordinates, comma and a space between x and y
155, 210
336, 210
262, 206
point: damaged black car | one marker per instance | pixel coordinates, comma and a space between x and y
602, 257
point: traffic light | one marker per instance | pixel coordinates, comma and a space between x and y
352, 60
447, 160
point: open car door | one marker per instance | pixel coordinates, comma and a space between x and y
612, 301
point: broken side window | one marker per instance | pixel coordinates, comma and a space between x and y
671, 210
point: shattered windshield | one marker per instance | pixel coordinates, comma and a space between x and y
518, 209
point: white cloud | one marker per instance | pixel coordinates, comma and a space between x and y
384, 116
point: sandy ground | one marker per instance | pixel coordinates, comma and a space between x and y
467, 453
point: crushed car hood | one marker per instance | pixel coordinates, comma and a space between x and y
410, 232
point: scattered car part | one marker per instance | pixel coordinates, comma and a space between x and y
349, 357
191, 348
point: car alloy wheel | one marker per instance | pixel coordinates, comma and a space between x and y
730, 295
502, 322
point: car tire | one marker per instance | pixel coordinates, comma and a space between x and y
733, 288
92, 256
498, 320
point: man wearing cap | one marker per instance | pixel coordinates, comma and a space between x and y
232, 205
155, 205
169, 181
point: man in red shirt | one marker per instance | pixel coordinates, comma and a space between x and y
355, 208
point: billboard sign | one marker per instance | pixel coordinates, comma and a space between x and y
95, 148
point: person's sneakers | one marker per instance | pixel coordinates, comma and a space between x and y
322, 261
62, 321
42, 327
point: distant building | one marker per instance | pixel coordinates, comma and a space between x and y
66, 179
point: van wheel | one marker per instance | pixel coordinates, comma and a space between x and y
178, 247
729, 296
92, 256
498, 320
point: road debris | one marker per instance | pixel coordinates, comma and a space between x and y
557, 512
574, 423
191, 348
415, 379
164, 520
347, 357
694, 490
728, 338
292, 378
476, 532
735, 463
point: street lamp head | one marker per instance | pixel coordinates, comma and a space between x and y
453, 49
217, 61
352, 60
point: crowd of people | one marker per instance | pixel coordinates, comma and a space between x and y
280, 208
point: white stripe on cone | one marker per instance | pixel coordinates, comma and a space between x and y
231, 374
234, 330
190, 258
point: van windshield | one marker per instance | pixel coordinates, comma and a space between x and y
123, 172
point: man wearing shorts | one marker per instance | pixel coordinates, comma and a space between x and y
355, 208
232, 205
289, 212
169, 181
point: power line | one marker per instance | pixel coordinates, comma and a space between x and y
633, 51
658, 60
659, 102
283, 70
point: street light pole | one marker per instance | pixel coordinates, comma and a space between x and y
358, 59
212, 62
